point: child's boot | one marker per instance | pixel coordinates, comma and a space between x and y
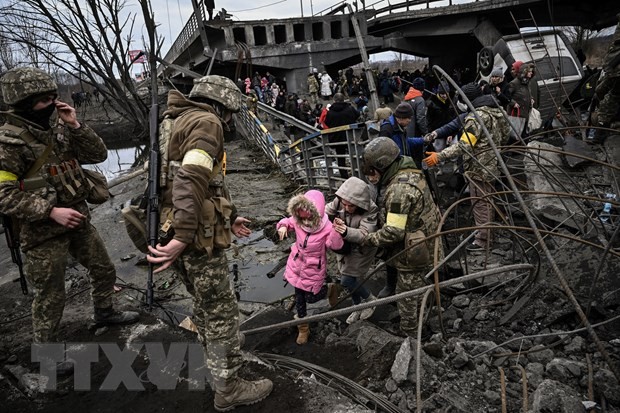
333, 291
304, 332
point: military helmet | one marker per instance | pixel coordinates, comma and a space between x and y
219, 89
380, 153
20, 83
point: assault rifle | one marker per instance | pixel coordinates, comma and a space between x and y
13, 243
152, 212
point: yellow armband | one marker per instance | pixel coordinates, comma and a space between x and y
469, 138
7, 176
198, 157
396, 220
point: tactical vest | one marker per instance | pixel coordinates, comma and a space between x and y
49, 174
214, 223
419, 253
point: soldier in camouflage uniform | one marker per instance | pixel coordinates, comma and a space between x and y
44, 190
608, 89
313, 89
409, 215
481, 164
196, 206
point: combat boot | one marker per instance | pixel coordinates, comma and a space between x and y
109, 316
304, 333
386, 291
240, 392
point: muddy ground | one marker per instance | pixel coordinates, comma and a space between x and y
460, 370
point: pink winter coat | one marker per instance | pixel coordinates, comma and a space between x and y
306, 267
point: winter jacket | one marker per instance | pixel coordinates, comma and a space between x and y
452, 127
484, 167
326, 85
359, 224
418, 125
31, 208
407, 145
196, 129
339, 114
306, 267
438, 112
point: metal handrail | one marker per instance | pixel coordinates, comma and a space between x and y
311, 161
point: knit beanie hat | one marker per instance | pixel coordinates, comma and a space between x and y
497, 72
471, 90
517, 66
443, 87
403, 110
419, 83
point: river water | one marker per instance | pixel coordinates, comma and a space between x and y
120, 160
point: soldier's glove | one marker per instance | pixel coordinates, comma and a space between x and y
432, 159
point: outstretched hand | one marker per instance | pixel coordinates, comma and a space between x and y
282, 233
166, 254
239, 228
432, 159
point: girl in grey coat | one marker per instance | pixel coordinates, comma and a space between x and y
354, 216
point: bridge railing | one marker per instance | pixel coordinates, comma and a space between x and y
189, 33
413, 5
316, 160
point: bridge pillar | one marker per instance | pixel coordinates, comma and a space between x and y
271, 38
486, 32
249, 35
290, 32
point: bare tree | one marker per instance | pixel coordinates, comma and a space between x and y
89, 39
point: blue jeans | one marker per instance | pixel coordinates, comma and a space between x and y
350, 283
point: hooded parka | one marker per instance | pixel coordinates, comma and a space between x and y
306, 267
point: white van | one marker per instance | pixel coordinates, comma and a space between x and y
558, 70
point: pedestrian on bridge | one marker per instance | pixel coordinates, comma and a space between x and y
340, 113
326, 86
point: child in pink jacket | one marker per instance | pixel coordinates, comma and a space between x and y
306, 268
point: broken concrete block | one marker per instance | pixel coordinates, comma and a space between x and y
552, 396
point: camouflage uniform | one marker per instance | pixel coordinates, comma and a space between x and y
29, 201
313, 89
198, 133
407, 208
481, 164
608, 88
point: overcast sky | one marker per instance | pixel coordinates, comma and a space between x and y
172, 15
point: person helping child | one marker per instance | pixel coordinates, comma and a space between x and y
354, 216
306, 268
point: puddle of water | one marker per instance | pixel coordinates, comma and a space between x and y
249, 271
120, 160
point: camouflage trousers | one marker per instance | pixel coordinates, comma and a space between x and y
408, 307
608, 90
45, 267
482, 209
216, 313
